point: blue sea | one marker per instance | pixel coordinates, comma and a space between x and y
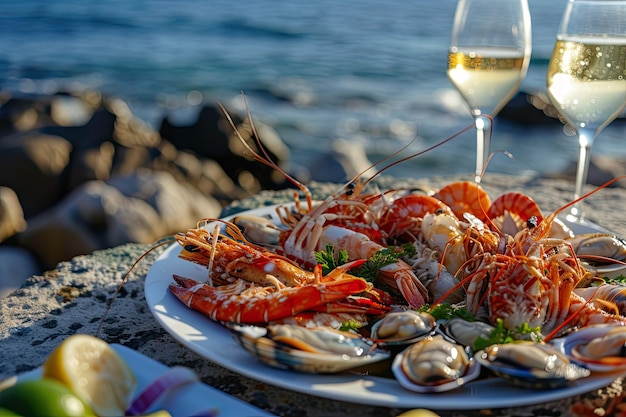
369, 72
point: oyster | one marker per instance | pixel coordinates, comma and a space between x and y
434, 364
403, 327
313, 350
466, 332
530, 365
600, 348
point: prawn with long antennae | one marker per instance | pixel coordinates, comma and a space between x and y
315, 227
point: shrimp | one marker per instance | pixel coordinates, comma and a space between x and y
511, 211
226, 258
245, 302
465, 196
404, 214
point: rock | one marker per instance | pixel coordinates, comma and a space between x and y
212, 137
140, 208
530, 109
32, 164
178, 205
11, 214
343, 162
601, 169
27, 112
16, 265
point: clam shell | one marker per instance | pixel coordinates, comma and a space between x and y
314, 350
414, 355
400, 328
599, 348
530, 365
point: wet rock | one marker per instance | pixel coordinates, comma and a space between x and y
11, 214
32, 164
601, 170
16, 265
27, 112
343, 162
530, 109
211, 136
140, 208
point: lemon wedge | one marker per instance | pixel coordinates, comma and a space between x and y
94, 372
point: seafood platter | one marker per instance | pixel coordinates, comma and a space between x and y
401, 298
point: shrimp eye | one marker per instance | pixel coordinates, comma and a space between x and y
531, 223
191, 248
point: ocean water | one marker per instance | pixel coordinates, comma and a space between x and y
369, 72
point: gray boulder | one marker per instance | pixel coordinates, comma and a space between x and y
16, 265
11, 214
140, 208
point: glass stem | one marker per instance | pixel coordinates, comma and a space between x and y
483, 139
585, 143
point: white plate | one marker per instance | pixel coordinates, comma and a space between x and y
187, 400
214, 342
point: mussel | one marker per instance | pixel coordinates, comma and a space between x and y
434, 364
313, 350
531, 365
403, 327
466, 332
604, 254
598, 246
600, 348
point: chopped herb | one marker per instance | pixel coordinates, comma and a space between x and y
369, 270
501, 335
618, 280
447, 311
383, 257
328, 261
350, 325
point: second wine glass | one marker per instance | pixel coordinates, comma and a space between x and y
488, 58
586, 78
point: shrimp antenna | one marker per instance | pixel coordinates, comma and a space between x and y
406, 158
265, 159
125, 277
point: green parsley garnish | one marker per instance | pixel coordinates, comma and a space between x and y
328, 261
386, 256
618, 280
369, 270
350, 325
501, 335
447, 311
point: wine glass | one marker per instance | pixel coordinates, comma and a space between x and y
488, 59
586, 79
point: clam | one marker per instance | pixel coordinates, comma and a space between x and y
313, 350
530, 365
467, 332
402, 328
600, 348
434, 364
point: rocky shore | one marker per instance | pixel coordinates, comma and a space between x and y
79, 173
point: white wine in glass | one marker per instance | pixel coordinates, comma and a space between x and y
586, 79
487, 60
